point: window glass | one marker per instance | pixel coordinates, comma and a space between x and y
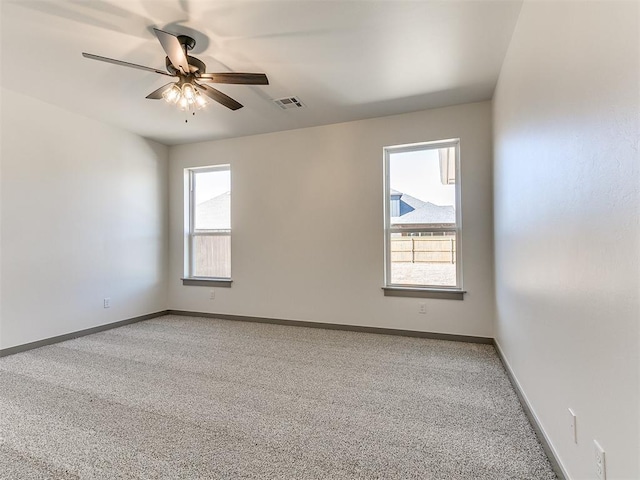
210, 222
421, 217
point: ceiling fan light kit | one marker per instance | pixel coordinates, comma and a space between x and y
185, 97
186, 93
172, 95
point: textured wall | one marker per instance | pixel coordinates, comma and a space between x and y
83, 217
302, 202
566, 225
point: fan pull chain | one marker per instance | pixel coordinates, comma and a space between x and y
186, 113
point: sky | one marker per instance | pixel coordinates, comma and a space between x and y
414, 173
418, 174
212, 184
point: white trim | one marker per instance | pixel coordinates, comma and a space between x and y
426, 230
387, 216
186, 238
432, 145
456, 230
192, 220
458, 184
211, 168
190, 223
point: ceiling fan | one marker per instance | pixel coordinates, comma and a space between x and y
187, 92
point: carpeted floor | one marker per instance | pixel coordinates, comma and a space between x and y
194, 398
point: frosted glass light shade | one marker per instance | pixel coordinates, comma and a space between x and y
172, 95
189, 92
201, 102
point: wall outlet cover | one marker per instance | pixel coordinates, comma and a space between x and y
573, 427
601, 466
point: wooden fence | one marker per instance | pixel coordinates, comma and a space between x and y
423, 249
213, 256
213, 253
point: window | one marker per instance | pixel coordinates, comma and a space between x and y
422, 217
209, 242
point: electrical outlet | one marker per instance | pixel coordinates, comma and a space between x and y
212, 294
601, 466
573, 427
422, 308
107, 302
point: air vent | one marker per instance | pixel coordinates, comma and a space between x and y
288, 102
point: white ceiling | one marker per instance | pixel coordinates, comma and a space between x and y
346, 60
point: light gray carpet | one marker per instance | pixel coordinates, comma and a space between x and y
194, 398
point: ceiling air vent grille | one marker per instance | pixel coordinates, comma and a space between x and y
288, 102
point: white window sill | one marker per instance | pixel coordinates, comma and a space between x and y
207, 282
417, 292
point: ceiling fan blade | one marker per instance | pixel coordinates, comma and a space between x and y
235, 78
174, 50
124, 64
157, 94
218, 96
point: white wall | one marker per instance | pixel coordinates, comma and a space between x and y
83, 217
307, 223
566, 225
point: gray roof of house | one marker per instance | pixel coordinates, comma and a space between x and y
418, 212
215, 213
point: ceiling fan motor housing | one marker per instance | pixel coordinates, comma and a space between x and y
187, 42
195, 65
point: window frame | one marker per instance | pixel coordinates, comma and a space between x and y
192, 232
412, 290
